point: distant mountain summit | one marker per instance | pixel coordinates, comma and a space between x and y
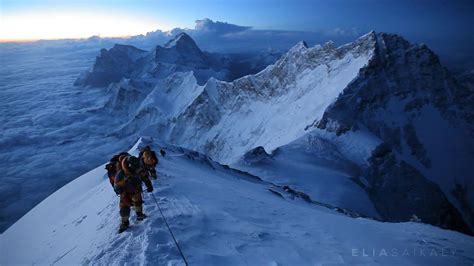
112, 65
183, 42
180, 54
182, 50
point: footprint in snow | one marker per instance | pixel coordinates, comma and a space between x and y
79, 220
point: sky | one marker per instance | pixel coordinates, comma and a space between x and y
444, 25
50, 19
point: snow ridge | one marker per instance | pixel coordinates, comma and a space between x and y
248, 224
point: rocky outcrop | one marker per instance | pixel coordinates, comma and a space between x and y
112, 65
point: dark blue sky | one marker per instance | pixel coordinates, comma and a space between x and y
435, 22
416, 17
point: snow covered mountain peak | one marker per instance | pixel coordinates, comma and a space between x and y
182, 40
301, 45
182, 50
112, 65
181, 54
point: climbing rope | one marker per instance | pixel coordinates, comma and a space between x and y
171, 232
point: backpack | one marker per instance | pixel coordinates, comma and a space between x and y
152, 152
111, 167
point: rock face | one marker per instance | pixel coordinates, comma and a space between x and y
401, 71
399, 192
378, 91
257, 155
112, 65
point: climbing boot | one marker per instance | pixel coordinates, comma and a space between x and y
124, 225
141, 216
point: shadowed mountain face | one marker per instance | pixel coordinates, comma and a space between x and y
112, 65
424, 118
182, 50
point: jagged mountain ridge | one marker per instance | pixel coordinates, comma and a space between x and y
317, 90
112, 65
178, 55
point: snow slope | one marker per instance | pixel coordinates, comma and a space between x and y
219, 216
320, 165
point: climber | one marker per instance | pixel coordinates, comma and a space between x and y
148, 161
128, 184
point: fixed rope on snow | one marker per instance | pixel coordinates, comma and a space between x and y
171, 232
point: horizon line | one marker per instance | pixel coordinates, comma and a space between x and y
26, 40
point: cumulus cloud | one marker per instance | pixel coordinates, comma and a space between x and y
206, 25
224, 37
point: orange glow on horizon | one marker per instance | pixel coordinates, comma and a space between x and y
58, 39
48, 25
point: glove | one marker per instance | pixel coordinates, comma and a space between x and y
118, 190
149, 189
